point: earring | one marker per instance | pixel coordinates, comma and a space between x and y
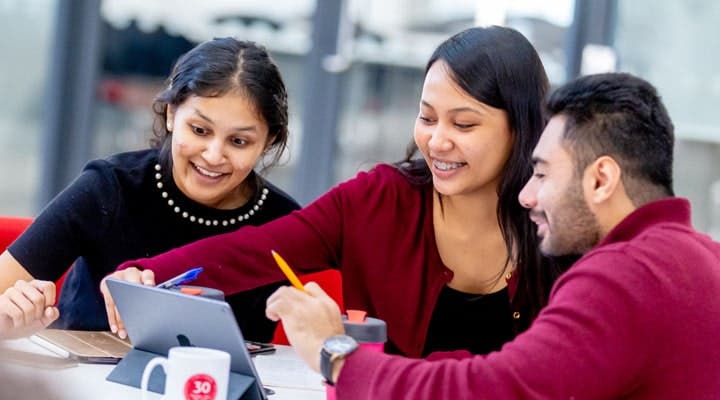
169, 128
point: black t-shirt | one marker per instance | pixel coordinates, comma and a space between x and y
122, 208
477, 323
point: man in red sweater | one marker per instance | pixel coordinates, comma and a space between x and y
636, 317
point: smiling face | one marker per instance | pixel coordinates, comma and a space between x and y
465, 143
216, 142
556, 199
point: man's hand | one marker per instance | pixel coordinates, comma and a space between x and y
308, 317
26, 308
145, 277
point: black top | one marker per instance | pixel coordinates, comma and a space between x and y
477, 323
115, 211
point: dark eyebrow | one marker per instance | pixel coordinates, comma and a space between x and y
250, 128
535, 160
455, 110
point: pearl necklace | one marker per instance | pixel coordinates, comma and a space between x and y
206, 221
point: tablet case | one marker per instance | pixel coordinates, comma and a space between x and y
158, 319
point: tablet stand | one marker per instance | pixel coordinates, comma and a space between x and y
130, 369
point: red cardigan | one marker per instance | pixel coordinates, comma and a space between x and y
638, 317
377, 228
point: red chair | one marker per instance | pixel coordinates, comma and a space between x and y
330, 281
10, 229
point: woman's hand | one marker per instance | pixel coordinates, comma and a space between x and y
132, 274
27, 307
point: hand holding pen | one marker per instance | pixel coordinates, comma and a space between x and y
308, 314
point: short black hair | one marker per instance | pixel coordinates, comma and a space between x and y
621, 116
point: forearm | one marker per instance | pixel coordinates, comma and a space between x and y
242, 260
11, 271
588, 343
368, 374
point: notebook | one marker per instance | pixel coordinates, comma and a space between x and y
158, 319
95, 347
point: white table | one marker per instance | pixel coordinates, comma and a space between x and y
282, 371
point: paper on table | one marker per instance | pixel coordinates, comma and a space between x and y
284, 369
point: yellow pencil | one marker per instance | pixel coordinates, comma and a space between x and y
285, 268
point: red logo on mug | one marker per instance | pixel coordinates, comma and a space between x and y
200, 387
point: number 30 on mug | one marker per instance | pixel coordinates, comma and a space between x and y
192, 373
200, 387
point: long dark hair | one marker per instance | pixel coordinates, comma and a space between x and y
217, 67
499, 67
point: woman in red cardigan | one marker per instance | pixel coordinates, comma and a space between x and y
437, 245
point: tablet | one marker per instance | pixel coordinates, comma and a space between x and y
158, 319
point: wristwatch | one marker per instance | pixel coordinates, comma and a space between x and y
335, 348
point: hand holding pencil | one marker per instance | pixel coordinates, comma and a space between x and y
308, 314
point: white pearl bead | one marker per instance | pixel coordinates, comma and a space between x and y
202, 221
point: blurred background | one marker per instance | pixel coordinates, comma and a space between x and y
78, 77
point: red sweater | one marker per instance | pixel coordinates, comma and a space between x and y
377, 228
636, 318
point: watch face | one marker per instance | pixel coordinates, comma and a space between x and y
340, 344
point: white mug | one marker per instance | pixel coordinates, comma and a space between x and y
193, 373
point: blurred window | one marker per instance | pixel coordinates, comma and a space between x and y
26, 27
393, 39
674, 45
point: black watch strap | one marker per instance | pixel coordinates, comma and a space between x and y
326, 366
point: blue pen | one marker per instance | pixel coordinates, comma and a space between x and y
185, 277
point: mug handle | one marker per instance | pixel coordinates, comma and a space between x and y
157, 361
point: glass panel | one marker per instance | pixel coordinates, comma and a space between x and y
142, 41
394, 39
681, 61
23, 72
